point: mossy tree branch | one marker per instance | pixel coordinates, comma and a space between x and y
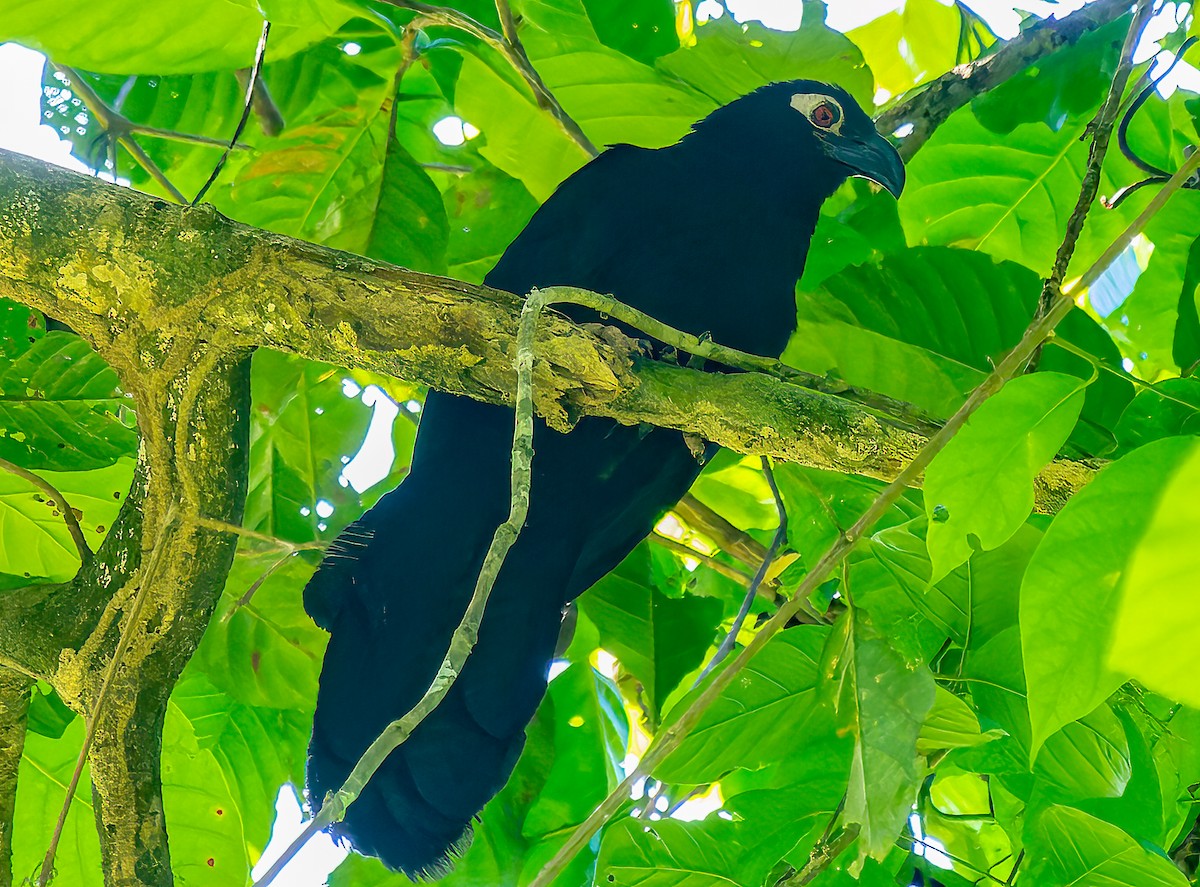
14, 710
97, 256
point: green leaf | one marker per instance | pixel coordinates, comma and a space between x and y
981, 484
951, 724
46, 768
1002, 195
410, 227
1070, 594
267, 652
1087, 758
517, 137
257, 748
910, 45
20, 327
713, 853
1066, 85
1069, 847
319, 181
486, 209
657, 639
755, 720
168, 39
207, 842
882, 702
731, 59
36, 540
60, 408
1157, 599
1167, 409
304, 430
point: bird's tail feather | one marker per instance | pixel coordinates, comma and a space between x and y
384, 651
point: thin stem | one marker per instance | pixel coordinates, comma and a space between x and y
68, 513
260, 55
46, 873
333, 808
730, 640
514, 52
1010, 366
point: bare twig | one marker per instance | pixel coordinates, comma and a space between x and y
730, 640
514, 52
149, 574
930, 108
1010, 366
260, 55
68, 513
333, 808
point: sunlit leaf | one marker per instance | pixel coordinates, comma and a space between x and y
1071, 590
980, 487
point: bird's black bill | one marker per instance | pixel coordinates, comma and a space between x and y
874, 159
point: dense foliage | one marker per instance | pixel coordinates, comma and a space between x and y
992, 690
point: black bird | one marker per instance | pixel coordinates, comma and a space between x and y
708, 235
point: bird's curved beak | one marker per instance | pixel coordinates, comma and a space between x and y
875, 159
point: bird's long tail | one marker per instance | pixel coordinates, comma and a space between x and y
391, 613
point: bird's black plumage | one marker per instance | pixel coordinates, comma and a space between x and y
709, 236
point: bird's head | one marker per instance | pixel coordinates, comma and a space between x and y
812, 129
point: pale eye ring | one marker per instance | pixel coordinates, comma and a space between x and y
825, 115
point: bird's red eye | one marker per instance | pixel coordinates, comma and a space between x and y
825, 115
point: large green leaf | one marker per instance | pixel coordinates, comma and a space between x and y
657, 639
1070, 594
717, 852
924, 324
46, 768
60, 408
1004, 195
910, 45
266, 652
36, 540
1158, 600
882, 702
168, 39
1067, 847
981, 484
305, 428
757, 719
410, 226
258, 748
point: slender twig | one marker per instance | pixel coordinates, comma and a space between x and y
260, 55
68, 513
430, 15
730, 639
258, 583
741, 577
115, 125
1010, 366
333, 808
149, 574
